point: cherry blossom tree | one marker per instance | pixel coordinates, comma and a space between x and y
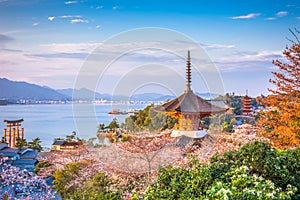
21, 184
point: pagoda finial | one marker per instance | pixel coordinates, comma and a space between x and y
188, 72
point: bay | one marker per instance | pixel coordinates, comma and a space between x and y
49, 121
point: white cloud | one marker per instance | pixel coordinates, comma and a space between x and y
217, 46
51, 18
270, 18
253, 56
71, 47
115, 7
63, 60
281, 14
74, 21
35, 24
40, 70
249, 16
98, 26
247, 61
70, 16
70, 2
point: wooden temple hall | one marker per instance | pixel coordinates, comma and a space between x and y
189, 108
13, 131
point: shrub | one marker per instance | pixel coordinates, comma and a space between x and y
256, 171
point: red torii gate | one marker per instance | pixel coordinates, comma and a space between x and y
13, 131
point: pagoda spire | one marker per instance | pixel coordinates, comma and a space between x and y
188, 72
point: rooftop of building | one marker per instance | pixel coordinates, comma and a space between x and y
58, 142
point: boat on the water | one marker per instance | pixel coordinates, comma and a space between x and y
117, 112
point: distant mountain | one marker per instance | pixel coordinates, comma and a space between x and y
83, 94
149, 97
165, 98
207, 95
13, 90
162, 97
86, 94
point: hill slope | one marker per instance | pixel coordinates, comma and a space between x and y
13, 90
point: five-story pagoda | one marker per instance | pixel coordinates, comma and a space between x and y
189, 108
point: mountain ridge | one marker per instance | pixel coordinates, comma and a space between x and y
20, 90
15, 90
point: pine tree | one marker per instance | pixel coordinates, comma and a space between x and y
282, 122
35, 144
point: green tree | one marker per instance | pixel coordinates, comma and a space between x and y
129, 123
149, 120
233, 101
41, 164
63, 176
101, 127
256, 171
96, 187
222, 122
228, 125
35, 144
21, 143
113, 125
72, 137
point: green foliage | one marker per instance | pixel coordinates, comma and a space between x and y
222, 122
35, 144
281, 167
63, 176
96, 188
21, 143
113, 125
101, 127
149, 120
232, 101
256, 171
242, 185
228, 126
72, 137
41, 164
181, 183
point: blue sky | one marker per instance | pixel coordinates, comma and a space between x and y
48, 42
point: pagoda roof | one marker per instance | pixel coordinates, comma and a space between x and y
189, 102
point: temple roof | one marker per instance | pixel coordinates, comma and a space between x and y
13, 121
189, 102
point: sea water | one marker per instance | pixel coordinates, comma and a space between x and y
49, 121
